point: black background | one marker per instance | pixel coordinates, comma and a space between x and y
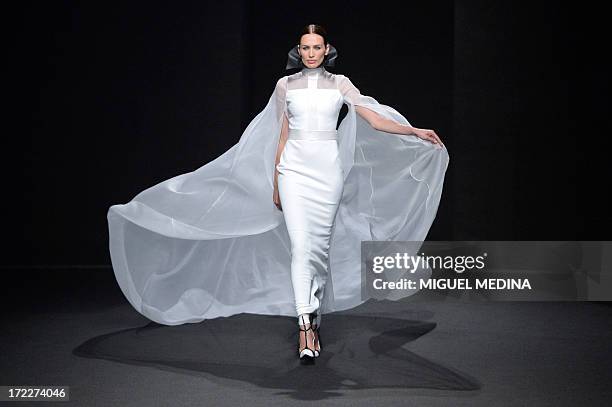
108, 98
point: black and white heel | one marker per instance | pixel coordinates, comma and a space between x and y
307, 355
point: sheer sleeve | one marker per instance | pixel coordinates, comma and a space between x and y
350, 92
280, 96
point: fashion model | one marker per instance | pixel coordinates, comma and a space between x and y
274, 225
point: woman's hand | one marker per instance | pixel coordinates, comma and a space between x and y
427, 134
276, 198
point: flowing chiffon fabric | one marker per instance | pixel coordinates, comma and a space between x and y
211, 242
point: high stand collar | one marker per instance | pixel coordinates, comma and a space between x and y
313, 71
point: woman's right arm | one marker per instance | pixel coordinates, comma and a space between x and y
281, 145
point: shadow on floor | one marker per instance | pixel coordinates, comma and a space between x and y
358, 352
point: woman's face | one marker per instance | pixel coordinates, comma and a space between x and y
312, 50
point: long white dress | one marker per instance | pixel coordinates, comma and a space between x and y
311, 182
211, 243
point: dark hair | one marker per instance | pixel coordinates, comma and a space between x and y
315, 29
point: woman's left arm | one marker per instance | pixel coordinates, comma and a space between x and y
391, 126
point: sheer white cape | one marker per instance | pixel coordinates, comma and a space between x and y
211, 242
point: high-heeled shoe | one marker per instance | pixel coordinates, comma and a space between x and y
317, 343
307, 355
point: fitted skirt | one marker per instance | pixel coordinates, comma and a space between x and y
310, 186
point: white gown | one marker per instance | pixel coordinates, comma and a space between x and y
211, 243
310, 182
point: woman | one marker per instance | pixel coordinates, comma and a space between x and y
308, 177
210, 243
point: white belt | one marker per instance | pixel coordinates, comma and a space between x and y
298, 134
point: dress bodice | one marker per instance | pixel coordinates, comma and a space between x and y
313, 100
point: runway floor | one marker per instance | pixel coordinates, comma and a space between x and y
75, 328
